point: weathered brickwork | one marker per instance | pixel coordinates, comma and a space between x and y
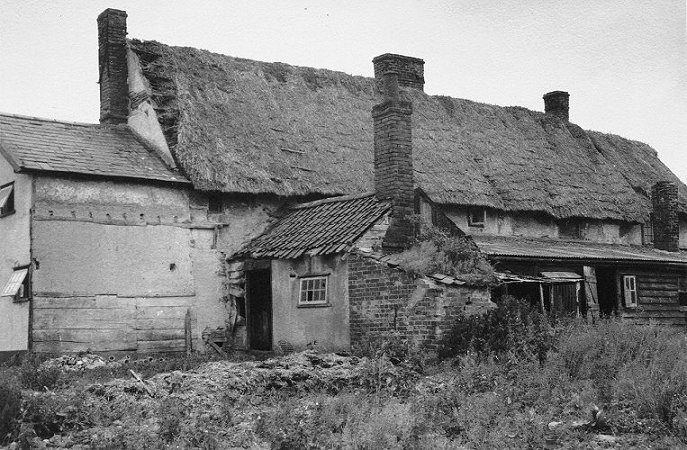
411, 71
666, 220
556, 103
114, 93
383, 299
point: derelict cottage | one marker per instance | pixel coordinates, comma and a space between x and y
229, 202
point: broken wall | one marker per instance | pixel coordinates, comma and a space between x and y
119, 264
15, 250
387, 300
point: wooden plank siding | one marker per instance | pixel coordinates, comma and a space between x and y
111, 323
658, 301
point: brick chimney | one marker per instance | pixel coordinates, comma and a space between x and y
393, 161
666, 221
114, 92
411, 71
556, 104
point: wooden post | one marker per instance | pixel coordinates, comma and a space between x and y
188, 332
541, 298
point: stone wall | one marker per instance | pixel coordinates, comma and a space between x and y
387, 300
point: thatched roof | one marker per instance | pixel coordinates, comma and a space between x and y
238, 125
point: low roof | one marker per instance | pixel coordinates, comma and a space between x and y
318, 228
37, 144
237, 125
554, 249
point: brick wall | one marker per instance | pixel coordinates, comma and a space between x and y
383, 299
666, 221
114, 91
556, 104
411, 71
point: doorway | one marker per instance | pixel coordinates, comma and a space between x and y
259, 309
607, 290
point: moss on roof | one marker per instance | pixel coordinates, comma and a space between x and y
237, 125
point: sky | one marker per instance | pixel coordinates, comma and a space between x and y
623, 62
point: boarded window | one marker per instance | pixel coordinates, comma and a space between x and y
477, 217
630, 290
6, 199
18, 285
682, 290
313, 291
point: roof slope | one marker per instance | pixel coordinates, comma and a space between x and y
48, 145
318, 228
574, 250
239, 125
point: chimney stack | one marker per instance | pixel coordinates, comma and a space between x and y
393, 162
556, 104
666, 221
114, 91
411, 71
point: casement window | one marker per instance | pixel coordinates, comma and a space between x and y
313, 291
630, 290
648, 231
477, 217
18, 286
682, 290
6, 199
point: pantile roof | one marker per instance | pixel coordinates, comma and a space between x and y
106, 150
553, 249
318, 228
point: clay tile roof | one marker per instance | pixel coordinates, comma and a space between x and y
237, 125
46, 145
318, 228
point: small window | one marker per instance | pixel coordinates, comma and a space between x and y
648, 231
18, 285
570, 229
313, 291
477, 217
6, 199
215, 205
682, 290
630, 290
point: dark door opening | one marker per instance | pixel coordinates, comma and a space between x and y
607, 290
259, 309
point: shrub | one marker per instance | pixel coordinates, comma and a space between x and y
10, 408
33, 376
512, 327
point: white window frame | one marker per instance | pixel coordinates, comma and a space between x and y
477, 223
307, 285
682, 291
630, 292
7, 199
19, 285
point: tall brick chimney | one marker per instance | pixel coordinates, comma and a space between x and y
556, 104
393, 161
666, 221
114, 92
411, 71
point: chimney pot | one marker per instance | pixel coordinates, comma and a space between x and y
556, 103
411, 71
664, 200
112, 64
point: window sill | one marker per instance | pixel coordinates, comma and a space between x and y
9, 213
316, 305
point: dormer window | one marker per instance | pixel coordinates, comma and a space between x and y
648, 231
477, 217
6, 199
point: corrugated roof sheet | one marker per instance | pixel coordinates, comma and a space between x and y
237, 125
318, 228
92, 149
573, 250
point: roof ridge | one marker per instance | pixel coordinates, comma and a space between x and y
65, 122
341, 198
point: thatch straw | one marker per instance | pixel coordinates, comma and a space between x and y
254, 127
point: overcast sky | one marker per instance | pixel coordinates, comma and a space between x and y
623, 62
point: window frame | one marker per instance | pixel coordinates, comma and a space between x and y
682, 291
303, 282
630, 288
477, 223
23, 293
9, 208
648, 231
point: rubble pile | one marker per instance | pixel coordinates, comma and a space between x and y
88, 361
